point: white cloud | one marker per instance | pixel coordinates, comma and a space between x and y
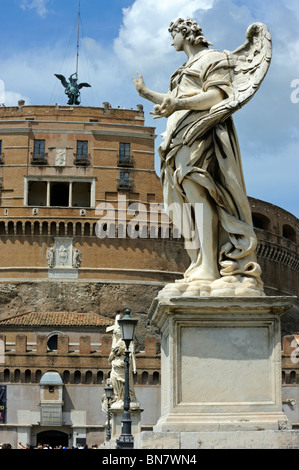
267, 127
11, 98
39, 5
144, 41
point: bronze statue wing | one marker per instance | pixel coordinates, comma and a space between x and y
62, 79
81, 85
248, 66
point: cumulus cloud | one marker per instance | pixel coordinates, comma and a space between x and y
39, 5
267, 126
12, 98
144, 40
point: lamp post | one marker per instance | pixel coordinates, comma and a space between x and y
127, 325
108, 392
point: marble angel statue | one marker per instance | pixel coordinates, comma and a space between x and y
200, 158
117, 376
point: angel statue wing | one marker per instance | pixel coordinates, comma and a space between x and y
251, 62
247, 66
62, 79
81, 85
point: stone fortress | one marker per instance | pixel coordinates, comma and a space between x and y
62, 281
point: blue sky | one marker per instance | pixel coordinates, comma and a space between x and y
118, 37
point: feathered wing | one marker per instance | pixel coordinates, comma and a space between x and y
247, 65
250, 63
62, 79
81, 85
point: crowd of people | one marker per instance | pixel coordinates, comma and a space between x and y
7, 445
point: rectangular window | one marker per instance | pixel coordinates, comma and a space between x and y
52, 193
0, 147
39, 147
124, 176
125, 183
82, 148
124, 151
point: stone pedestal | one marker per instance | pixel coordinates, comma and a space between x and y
116, 417
220, 366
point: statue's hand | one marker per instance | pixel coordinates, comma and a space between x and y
139, 83
166, 108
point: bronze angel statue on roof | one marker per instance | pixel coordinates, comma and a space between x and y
72, 88
200, 159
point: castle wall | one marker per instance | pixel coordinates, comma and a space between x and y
61, 195
84, 368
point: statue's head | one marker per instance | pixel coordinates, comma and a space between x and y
73, 77
190, 30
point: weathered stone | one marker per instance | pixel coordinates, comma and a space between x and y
220, 363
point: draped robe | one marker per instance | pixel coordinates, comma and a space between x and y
208, 155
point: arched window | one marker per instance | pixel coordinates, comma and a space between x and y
61, 229
52, 342
283, 379
292, 377
36, 228
70, 229
77, 377
2, 228
100, 377
156, 378
38, 375
87, 229
289, 232
6, 376
144, 378
19, 228
66, 376
10, 228
78, 229
27, 376
53, 229
17, 375
28, 228
88, 377
261, 221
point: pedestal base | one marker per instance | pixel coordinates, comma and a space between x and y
117, 414
220, 364
217, 440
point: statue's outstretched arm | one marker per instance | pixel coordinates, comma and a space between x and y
203, 101
150, 95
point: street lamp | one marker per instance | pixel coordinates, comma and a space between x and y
127, 325
109, 393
